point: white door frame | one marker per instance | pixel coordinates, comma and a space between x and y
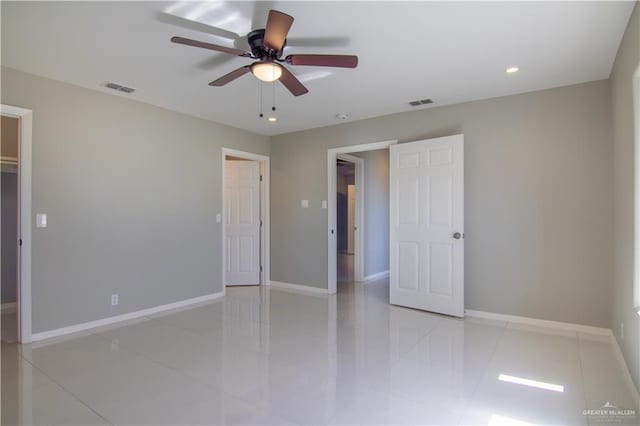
24, 218
332, 157
265, 246
358, 246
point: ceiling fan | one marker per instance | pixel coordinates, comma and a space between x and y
266, 46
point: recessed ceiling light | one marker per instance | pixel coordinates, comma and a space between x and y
272, 119
511, 70
342, 116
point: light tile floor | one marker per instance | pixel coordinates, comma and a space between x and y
344, 267
9, 326
266, 356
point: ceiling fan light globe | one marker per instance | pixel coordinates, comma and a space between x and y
266, 71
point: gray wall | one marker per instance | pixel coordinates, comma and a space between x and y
376, 219
626, 62
538, 202
9, 249
131, 191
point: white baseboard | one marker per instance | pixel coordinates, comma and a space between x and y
118, 318
623, 363
377, 276
539, 322
567, 327
298, 287
8, 307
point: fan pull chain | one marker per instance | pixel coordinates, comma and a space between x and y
273, 105
261, 115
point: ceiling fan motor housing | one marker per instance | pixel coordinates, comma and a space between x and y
256, 43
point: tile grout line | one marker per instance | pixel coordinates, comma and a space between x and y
200, 335
584, 388
181, 373
415, 345
141, 355
439, 322
134, 353
482, 376
73, 395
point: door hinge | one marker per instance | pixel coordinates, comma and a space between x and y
20, 243
260, 223
260, 268
260, 178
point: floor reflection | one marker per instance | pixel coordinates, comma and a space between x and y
266, 356
345, 268
9, 325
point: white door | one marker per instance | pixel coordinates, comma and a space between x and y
427, 225
351, 221
242, 227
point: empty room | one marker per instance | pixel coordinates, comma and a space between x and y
320, 213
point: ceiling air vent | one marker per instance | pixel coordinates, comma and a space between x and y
119, 87
420, 102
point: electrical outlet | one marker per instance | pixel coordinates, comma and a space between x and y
622, 331
114, 299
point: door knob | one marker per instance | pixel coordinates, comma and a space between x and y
457, 235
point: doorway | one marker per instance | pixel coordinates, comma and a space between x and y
9, 232
245, 218
340, 262
15, 296
349, 217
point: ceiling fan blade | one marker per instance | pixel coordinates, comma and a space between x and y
341, 61
210, 46
227, 78
292, 83
278, 26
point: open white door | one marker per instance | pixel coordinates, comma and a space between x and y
242, 202
427, 225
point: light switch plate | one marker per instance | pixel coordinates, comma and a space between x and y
324, 204
305, 204
41, 220
218, 218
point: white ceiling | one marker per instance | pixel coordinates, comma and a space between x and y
448, 51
